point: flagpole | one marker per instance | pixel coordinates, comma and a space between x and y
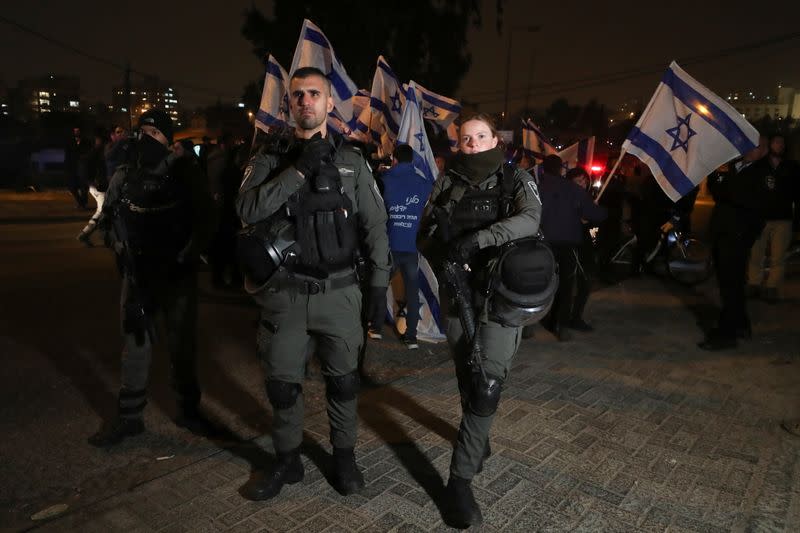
610, 175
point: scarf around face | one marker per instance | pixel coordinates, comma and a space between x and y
477, 167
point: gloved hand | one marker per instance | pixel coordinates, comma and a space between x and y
314, 151
376, 310
327, 177
463, 249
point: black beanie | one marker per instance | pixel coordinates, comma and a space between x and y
158, 119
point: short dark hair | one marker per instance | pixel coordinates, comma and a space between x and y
306, 72
404, 153
552, 165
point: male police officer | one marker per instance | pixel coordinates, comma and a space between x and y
325, 189
160, 212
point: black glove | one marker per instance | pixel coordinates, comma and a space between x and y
314, 151
327, 177
463, 249
376, 306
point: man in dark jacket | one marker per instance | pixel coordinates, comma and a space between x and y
564, 207
778, 197
75, 163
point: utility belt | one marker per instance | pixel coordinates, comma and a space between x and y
308, 285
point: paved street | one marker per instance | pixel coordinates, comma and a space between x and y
629, 428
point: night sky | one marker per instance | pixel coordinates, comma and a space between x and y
202, 46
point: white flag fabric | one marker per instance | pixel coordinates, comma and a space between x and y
381, 120
439, 109
580, 154
534, 142
274, 107
314, 50
686, 132
412, 132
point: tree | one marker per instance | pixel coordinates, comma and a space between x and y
426, 42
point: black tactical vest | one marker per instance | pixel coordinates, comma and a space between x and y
156, 212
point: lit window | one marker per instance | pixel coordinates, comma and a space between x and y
44, 93
124, 109
73, 103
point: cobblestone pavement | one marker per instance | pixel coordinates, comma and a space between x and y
629, 428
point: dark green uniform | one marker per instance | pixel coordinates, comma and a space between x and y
500, 343
301, 309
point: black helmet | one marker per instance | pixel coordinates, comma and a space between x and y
526, 281
264, 249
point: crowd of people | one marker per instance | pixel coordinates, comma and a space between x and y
316, 238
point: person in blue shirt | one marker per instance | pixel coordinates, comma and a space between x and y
405, 192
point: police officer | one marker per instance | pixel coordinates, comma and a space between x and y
477, 205
325, 189
159, 211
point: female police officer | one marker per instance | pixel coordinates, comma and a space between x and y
476, 206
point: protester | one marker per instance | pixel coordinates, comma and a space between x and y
735, 224
323, 193
565, 206
95, 169
160, 215
778, 197
224, 177
476, 206
405, 193
75, 163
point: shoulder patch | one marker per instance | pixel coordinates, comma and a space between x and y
346, 171
534, 189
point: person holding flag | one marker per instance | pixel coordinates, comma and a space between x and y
476, 206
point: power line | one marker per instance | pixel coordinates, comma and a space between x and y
603, 79
105, 61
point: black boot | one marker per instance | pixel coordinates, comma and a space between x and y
487, 452
287, 469
462, 509
347, 478
115, 432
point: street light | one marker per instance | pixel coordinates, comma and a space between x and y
528, 29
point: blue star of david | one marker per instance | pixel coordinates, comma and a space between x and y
395, 98
430, 112
675, 133
420, 136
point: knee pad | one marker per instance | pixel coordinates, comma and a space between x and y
343, 388
484, 394
281, 394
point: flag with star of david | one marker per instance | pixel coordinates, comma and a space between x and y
686, 132
412, 132
315, 50
580, 154
534, 142
440, 110
274, 107
381, 119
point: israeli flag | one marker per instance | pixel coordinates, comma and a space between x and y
686, 132
452, 137
534, 142
412, 133
381, 120
273, 111
439, 109
314, 50
580, 154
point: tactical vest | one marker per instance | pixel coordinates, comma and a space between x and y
472, 209
156, 212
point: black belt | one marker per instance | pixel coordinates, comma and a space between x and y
305, 286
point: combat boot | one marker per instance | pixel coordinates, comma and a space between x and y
462, 509
487, 452
116, 431
347, 478
288, 468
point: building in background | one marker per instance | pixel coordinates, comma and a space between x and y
50, 94
784, 104
152, 93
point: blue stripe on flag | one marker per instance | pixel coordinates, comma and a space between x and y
339, 85
676, 177
387, 69
379, 105
274, 69
270, 120
432, 299
317, 38
720, 120
427, 97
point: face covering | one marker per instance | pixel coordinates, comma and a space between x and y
151, 152
477, 167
